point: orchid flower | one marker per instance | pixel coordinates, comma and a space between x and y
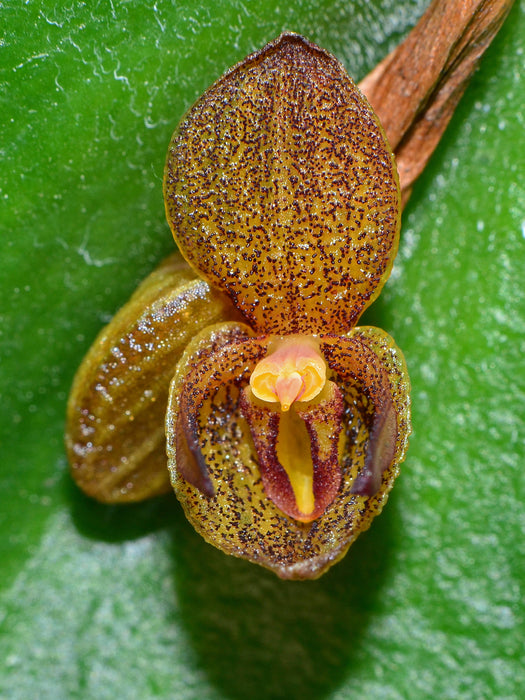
285, 422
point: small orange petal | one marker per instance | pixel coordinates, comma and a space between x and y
289, 388
293, 371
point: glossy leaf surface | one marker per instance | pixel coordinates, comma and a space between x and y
281, 190
100, 602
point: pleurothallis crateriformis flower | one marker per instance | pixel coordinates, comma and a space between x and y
285, 422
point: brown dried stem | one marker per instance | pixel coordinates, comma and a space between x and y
416, 88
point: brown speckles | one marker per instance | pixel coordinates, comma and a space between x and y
282, 160
322, 420
281, 191
114, 434
239, 518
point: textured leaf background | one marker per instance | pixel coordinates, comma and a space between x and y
113, 602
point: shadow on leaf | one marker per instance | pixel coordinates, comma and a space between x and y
120, 523
259, 637
252, 634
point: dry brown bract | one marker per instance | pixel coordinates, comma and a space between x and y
414, 91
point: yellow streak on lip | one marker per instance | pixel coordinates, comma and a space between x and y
294, 455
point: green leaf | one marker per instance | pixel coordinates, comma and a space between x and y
107, 602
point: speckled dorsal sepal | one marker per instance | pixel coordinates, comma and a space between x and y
114, 434
236, 514
280, 189
298, 450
